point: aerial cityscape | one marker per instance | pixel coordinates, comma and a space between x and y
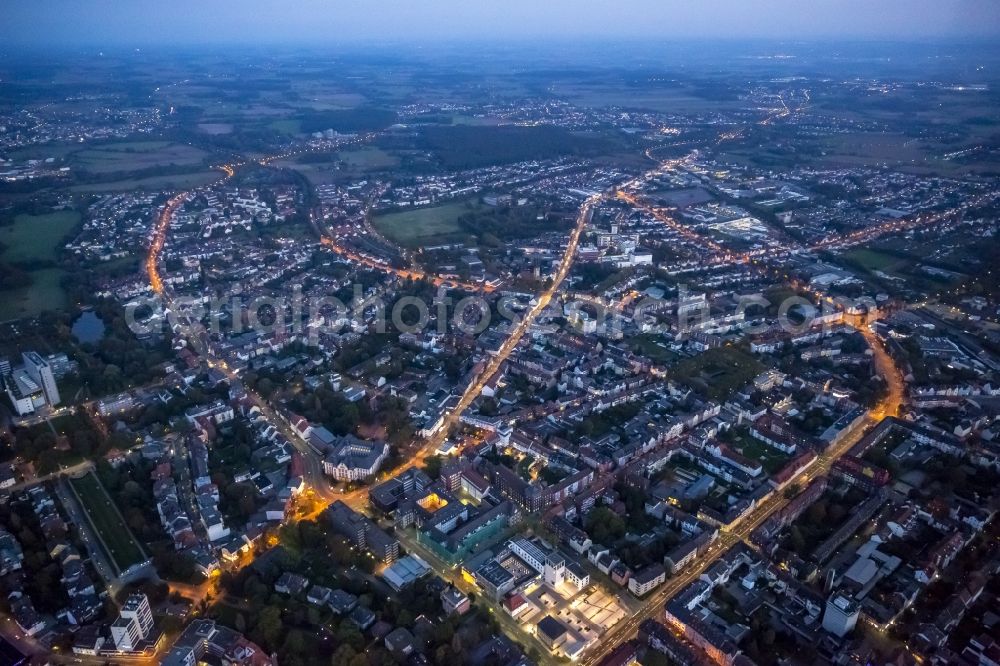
500, 333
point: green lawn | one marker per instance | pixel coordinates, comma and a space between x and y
874, 260
770, 459
122, 548
423, 226
652, 347
37, 237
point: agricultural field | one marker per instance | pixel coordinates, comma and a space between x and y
286, 126
474, 146
123, 550
668, 99
177, 181
368, 159
423, 226
135, 156
215, 129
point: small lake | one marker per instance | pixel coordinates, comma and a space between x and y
88, 327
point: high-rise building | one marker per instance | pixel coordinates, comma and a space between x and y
137, 606
40, 370
125, 633
134, 624
25, 394
841, 615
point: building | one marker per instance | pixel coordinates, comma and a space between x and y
290, 583
40, 370
134, 623
841, 615
125, 634
456, 530
386, 496
24, 394
495, 580
363, 532
551, 632
137, 607
647, 579
354, 459
577, 575
204, 638
405, 572
400, 642
454, 601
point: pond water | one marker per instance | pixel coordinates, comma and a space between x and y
88, 327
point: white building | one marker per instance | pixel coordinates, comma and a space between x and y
137, 608
354, 459
646, 580
841, 615
125, 633
24, 394
40, 370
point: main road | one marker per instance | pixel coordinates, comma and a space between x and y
357, 498
202, 343
888, 405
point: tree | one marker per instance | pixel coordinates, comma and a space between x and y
432, 466
343, 656
604, 526
796, 540
654, 658
817, 512
265, 387
295, 642
348, 634
444, 655
269, 625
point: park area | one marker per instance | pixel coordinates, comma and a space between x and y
117, 540
32, 243
33, 238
